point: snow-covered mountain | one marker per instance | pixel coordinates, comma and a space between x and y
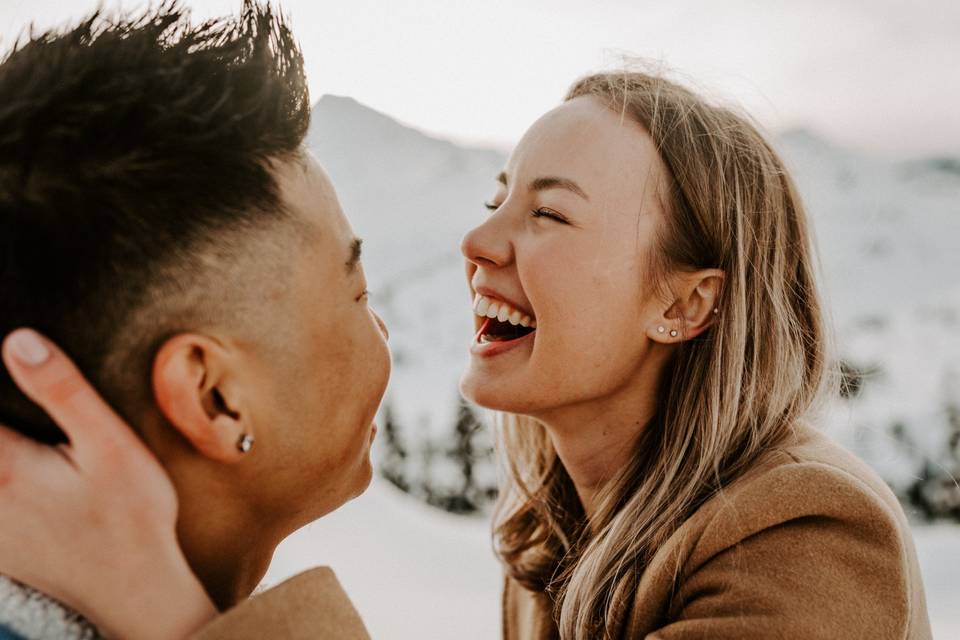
889, 240
411, 197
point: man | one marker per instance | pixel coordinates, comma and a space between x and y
162, 222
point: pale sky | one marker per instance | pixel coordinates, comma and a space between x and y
876, 75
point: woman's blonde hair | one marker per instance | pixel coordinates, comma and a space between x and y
728, 397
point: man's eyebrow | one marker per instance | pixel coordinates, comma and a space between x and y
355, 250
549, 182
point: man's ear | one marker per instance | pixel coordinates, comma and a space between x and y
694, 309
189, 375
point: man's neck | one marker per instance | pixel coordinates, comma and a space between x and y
227, 543
229, 552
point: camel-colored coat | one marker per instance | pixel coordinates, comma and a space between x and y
809, 545
308, 606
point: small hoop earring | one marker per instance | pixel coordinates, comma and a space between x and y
660, 329
245, 443
673, 333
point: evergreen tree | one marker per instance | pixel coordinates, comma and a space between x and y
467, 452
393, 461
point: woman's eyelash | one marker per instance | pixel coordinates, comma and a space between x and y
365, 294
548, 213
536, 213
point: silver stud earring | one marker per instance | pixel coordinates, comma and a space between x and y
245, 443
716, 310
673, 333
660, 329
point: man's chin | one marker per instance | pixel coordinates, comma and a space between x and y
365, 478
362, 477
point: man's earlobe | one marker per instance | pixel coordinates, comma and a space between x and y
188, 373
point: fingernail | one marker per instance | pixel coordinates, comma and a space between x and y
28, 348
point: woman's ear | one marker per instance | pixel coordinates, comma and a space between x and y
694, 309
189, 374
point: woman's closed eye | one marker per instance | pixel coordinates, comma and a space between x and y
542, 212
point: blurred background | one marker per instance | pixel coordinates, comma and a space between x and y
417, 105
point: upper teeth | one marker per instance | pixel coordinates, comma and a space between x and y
487, 307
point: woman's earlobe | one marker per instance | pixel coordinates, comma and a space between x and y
663, 334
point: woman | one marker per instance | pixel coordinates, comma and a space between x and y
665, 478
650, 334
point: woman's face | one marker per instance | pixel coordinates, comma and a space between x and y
567, 244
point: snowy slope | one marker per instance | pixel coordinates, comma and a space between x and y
411, 570
889, 241
411, 198
416, 573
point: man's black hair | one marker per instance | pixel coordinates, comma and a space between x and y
134, 151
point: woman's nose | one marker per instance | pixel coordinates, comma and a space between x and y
488, 244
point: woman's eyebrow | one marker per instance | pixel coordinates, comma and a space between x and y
354, 260
549, 182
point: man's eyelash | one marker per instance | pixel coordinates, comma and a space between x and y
491, 206
365, 294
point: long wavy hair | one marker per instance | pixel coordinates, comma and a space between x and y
728, 398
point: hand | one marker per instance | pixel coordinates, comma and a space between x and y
91, 523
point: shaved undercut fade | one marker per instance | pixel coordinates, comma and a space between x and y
137, 185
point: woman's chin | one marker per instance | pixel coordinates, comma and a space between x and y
502, 394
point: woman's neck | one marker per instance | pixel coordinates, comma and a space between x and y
596, 440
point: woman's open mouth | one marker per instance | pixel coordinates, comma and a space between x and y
500, 324
495, 331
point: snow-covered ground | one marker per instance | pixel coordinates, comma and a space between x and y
412, 571
416, 572
938, 547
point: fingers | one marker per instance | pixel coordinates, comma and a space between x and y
14, 449
49, 378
